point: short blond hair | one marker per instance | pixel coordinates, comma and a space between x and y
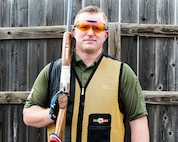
92, 10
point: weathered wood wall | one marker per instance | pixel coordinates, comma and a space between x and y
152, 58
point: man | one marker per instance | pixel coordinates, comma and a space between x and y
104, 92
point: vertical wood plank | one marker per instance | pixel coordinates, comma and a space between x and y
147, 47
55, 12
56, 15
18, 49
129, 14
36, 56
147, 63
4, 68
19, 13
114, 40
91, 2
147, 11
176, 63
165, 48
4, 48
129, 51
77, 5
129, 11
17, 72
164, 65
112, 46
111, 8
176, 46
165, 11
4, 13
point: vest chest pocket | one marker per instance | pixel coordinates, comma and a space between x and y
99, 128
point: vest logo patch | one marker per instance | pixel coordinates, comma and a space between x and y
99, 119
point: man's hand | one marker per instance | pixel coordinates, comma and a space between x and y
59, 100
62, 100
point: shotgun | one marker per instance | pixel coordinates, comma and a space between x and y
64, 87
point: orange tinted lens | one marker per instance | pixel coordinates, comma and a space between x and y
85, 26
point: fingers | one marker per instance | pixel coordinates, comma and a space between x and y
62, 100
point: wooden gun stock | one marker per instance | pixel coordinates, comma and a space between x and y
65, 82
67, 49
64, 79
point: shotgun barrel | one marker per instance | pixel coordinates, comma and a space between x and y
59, 134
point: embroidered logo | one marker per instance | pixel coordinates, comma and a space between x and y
100, 120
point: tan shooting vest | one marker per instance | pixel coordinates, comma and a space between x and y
101, 97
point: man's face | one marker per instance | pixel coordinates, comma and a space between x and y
88, 39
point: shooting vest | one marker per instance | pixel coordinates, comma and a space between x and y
96, 114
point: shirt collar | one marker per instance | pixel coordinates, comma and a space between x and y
77, 60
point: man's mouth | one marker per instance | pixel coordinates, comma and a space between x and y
89, 40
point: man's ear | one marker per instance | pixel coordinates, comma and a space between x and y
73, 31
106, 34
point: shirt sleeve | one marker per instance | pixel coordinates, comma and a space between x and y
39, 91
132, 99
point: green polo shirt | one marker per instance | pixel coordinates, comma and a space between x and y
83, 72
131, 96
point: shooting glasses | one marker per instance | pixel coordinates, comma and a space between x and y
96, 26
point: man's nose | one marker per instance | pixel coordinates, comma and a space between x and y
90, 31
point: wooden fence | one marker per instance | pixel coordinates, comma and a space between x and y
143, 33
161, 105
155, 65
